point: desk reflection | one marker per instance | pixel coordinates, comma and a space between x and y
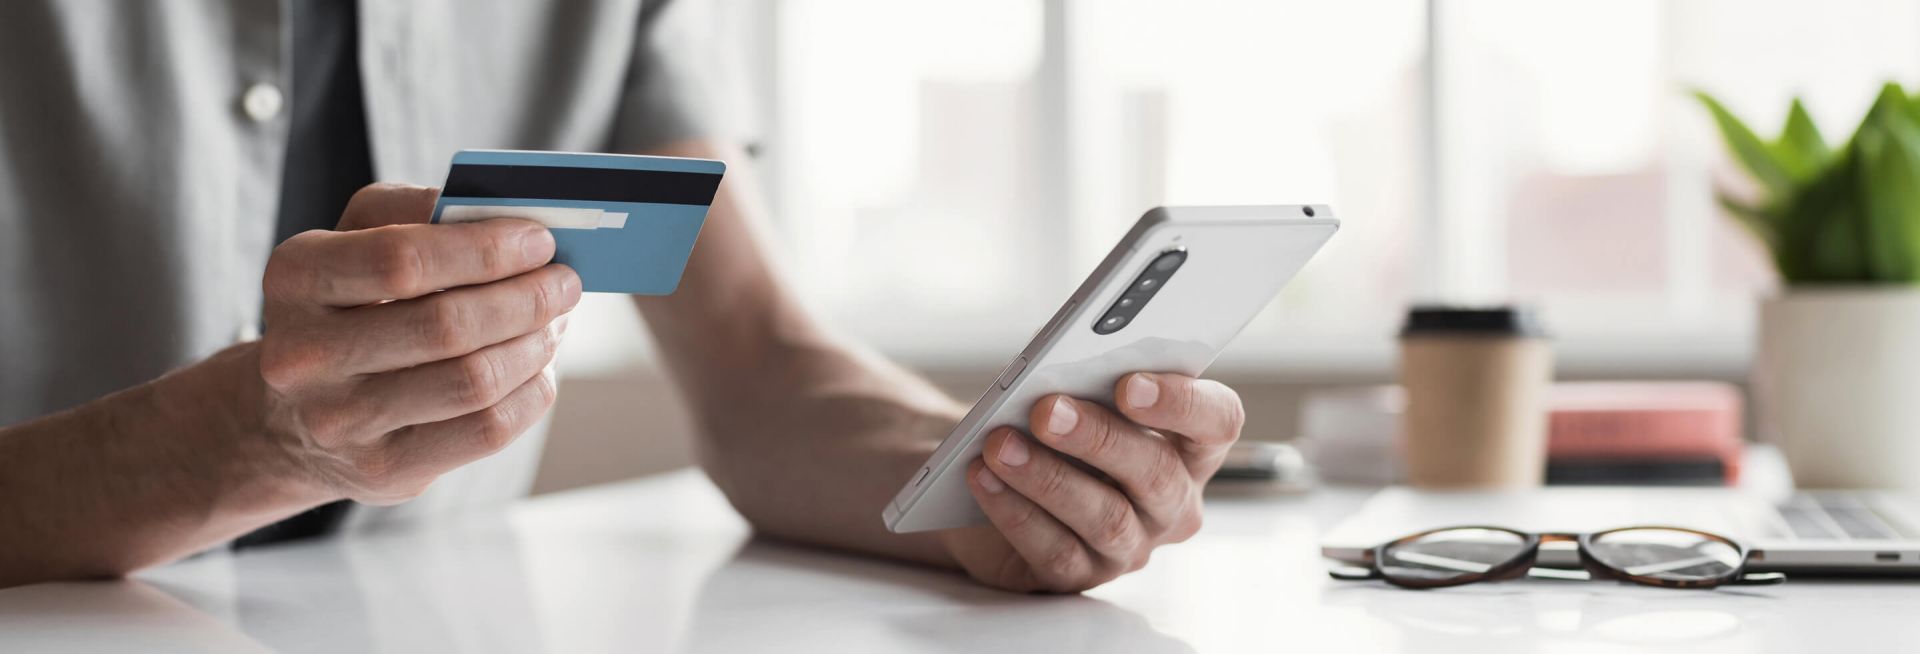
113, 616
1523, 616
487, 587
771, 594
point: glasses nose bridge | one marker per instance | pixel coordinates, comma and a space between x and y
1558, 537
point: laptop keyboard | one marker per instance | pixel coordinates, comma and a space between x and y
1835, 518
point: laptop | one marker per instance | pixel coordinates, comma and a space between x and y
1845, 532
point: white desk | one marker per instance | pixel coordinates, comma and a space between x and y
663, 565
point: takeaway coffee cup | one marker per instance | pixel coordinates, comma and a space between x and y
1476, 382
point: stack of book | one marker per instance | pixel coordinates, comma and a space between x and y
1644, 433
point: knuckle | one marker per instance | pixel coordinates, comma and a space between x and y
1183, 401
285, 365
286, 268
496, 240
329, 427
377, 471
549, 342
1062, 561
1114, 529
399, 267
370, 193
1188, 525
1053, 479
546, 296
496, 428
443, 327
477, 383
1166, 476
547, 392
1105, 439
1022, 520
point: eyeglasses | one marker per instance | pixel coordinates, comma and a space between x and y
1667, 557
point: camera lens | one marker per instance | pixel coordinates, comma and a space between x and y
1113, 322
1126, 302
1147, 284
1307, 210
1169, 261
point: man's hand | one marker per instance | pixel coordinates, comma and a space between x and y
396, 352
1059, 528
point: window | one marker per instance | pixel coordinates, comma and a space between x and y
947, 172
943, 174
1575, 170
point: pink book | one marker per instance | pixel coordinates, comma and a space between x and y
1646, 421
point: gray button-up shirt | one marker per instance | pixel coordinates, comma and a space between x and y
141, 146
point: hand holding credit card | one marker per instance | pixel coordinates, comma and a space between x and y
625, 223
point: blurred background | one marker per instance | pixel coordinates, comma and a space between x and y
942, 174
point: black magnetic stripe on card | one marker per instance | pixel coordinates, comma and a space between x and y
587, 184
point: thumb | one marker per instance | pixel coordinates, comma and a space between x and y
388, 203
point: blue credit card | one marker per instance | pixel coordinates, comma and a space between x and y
626, 223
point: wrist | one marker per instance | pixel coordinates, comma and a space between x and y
222, 405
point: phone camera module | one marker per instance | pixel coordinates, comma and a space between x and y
1140, 291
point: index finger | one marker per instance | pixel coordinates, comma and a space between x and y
397, 262
387, 203
1202, 417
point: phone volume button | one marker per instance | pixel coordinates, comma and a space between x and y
1054, 325
1014, 368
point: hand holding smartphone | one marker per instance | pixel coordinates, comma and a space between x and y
1168, 298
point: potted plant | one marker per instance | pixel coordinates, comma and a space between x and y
1837, 369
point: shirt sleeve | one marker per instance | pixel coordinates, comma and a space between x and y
682, 69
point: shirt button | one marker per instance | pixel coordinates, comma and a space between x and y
262, 102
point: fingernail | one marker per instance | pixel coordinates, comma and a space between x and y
570, 282
1013, 452
1063, 417
1142, 391
560, 324
990, 481
536, 245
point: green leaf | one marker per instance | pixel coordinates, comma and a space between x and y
1758, 158
1890, 229
1755, 219
1891, 106
1818, 227
1800, 149
1846, 214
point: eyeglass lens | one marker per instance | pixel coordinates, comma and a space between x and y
1450, 554
1665, 554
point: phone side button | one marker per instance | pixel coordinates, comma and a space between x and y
1052, 325
922, 476
1014, 368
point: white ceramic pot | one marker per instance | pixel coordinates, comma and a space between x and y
1837, 379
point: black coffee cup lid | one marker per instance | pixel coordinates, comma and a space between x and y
1439, 320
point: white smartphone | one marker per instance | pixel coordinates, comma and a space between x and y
1175, 290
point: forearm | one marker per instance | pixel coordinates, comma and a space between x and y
808, 437
812, 443
141, 477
